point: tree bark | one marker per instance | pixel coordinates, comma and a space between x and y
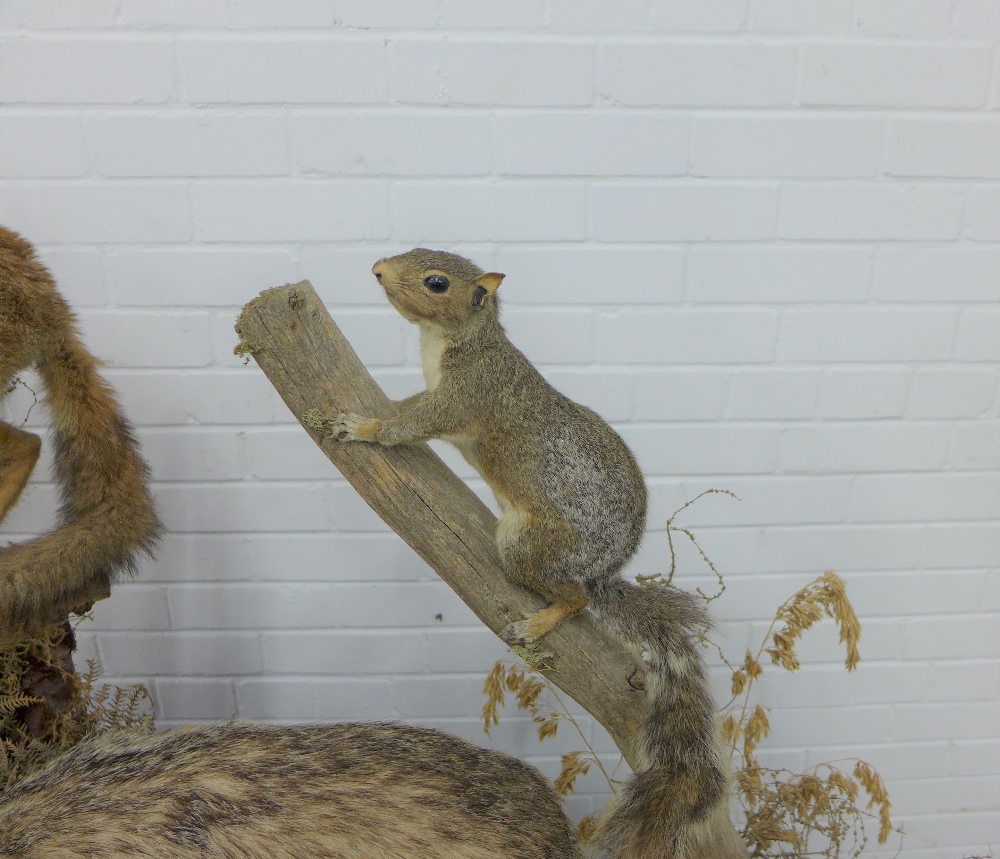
51, 679
293, 339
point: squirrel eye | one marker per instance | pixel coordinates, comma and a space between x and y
436, 282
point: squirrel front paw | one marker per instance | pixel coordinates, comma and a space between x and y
344, 426
348, 426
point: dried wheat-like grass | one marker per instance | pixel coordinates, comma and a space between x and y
90, 709
871, 781
573, 765
816, 812
826, 595
788, 814
527, 689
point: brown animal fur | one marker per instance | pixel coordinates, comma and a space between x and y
108, 517
573, 504
348, 791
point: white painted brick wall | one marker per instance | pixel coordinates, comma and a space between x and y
761, 236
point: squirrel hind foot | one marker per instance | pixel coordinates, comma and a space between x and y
519, 634
538, 624
523, 645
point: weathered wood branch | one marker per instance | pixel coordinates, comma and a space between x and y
293, 339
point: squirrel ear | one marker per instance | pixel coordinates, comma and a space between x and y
490, 281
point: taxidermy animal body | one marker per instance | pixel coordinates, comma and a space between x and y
573, 505
347, 791
108, 517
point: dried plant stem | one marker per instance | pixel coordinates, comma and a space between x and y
671, 528
590, 749
511, 677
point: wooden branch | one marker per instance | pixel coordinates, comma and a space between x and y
293, 339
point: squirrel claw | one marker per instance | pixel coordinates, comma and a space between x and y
344, 426
520, 633
523, 643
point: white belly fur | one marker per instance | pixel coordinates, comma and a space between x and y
510, 526
433, 343
432, 346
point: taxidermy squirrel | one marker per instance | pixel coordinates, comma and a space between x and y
108, 517
573, 504
347, 791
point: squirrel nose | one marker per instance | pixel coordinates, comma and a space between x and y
377, 270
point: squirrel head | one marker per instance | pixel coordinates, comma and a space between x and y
438, 287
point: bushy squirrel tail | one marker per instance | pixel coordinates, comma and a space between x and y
677, 805
108, 518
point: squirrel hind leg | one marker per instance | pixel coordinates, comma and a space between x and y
18, 454
529, 546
